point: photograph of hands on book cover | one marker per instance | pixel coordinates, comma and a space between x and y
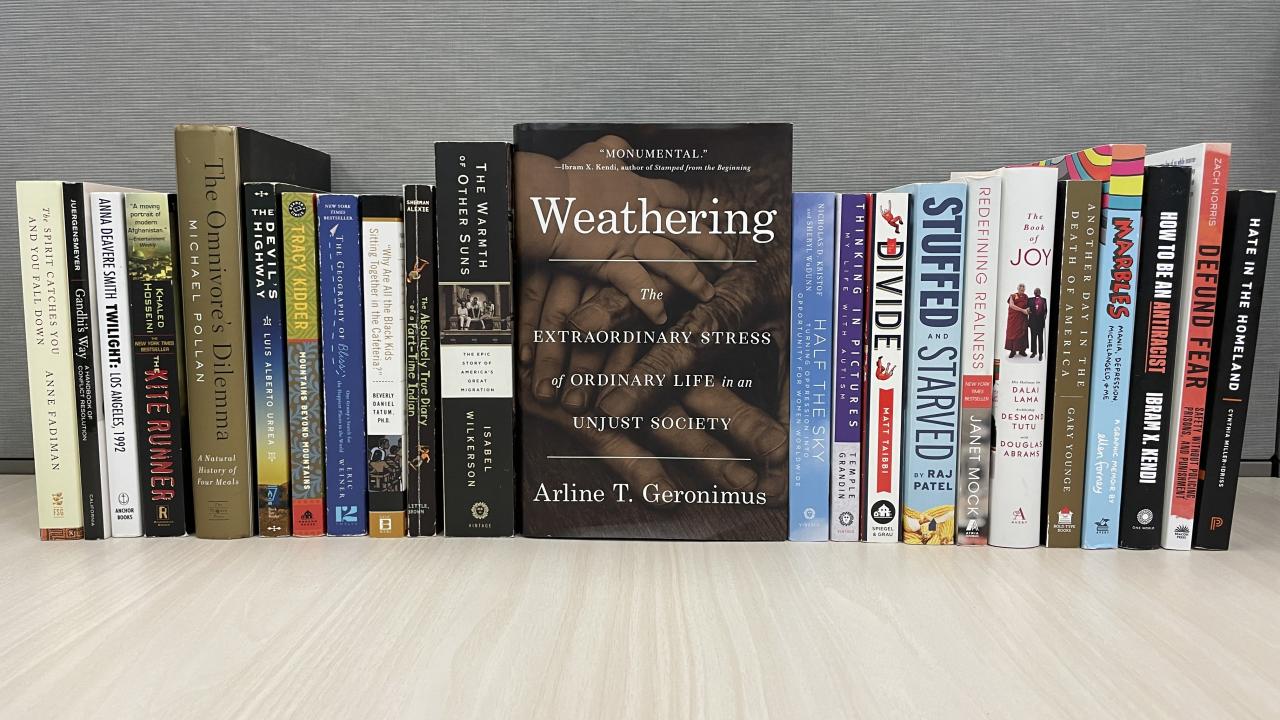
640, 331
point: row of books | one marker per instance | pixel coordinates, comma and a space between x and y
636, 330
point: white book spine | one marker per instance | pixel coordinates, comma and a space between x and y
115, 354
50, 369
978, 345
384, 327
885, 348
1019, 398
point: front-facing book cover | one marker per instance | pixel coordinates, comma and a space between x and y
653, 329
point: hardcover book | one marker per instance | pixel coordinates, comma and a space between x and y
477, 405
422, 426
302, 333
1025, 283
1247, 238
341, 269
1210, 165
982, 252
91, 428
932, 409
382, 229
150, 224
847, 468
1165, 194
115, 359
654, 338
212, 162
268, 356
50, 365
886, 354
1076, 265
812, 267
1113, 333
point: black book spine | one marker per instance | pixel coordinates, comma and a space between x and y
477, 374
1247, 237
1166, 192
421, 439
88, 403
150, 222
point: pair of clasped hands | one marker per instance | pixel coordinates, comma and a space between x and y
598, 296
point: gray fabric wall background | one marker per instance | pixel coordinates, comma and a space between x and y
880, 93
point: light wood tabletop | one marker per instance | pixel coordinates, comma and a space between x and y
457, 628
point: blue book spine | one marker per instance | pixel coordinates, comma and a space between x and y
812, 306
342, 362
932, 413
1113, 341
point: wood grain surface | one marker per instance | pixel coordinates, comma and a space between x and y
457, 628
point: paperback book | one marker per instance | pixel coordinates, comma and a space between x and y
812, 267
115, 359
1076, 266
1165, 194
302, 333
212, 162
982, 252
932, 409
268, 355
1210, 165
1246, 241
474, 277
91, 428
382, 230
422, 426
50, 365
1025, 283
340, 264
153, 301
847, 468
886, 355
654, 339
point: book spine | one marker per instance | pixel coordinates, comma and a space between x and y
1019, 390
115, 358
50, 366
1244, 268
813, 231
302, 331
91, 442
1080, 209
850, 331
421, 440
932, 414
153, 312
477, 376
1165, 194
1113, 347
342, 362
211, 257
1195, 344
885, 356
982, 251
383, 230
267, 358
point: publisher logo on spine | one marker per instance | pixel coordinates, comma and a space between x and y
297, 208
882, 512
1019, 517
846, 519
1145, 516
480, 510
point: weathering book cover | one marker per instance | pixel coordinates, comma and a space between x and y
655, 330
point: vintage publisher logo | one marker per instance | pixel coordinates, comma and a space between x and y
1145, 516
480, 511
809, 513
882, 512
297, 208
1182, 532
846, 518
